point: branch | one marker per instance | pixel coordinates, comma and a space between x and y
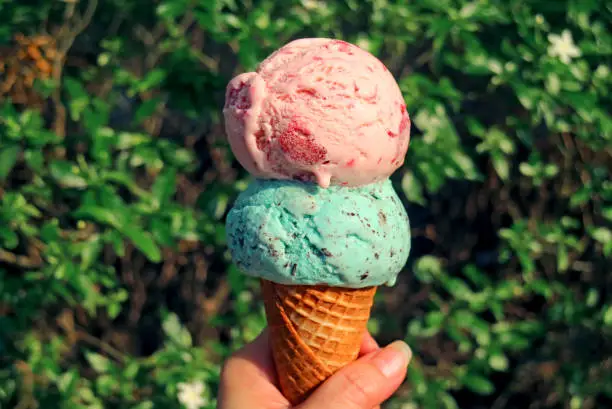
212, 305
66, 36
103, 346
27, 262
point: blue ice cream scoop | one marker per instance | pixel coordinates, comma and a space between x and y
292, 232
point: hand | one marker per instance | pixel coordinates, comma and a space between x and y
248, 378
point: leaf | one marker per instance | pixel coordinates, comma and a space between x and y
373, 326
105, 385
143, 241
79, 99
175, 331
180, 157
8, 158
602, 234
478, 384
151, 80
171, 9
131, 370
542, 287
98, 362
164, 186
161, 231
499, 362
527, 169
171, 324
116, 240
124, 179
87, 395
50, 231
582, 196
67, 174
501, 165
413, 189
570, 222
94, 118
475, 127
146, 109
99, 214
113, 310
427, 268
146, 156
607, 213
562, 258
235, 279
527, 96
416, 375
66, 382
9, 238
466, 164
128, 140
218, 205
434, 320
448, 401
459, 289
607, 315
592, 297
90, 252
476, 276
35, 160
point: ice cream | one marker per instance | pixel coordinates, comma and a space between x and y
295, 233
321, 110
321, 125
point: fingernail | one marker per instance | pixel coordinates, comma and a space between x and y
393, 358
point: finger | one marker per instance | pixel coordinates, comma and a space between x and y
256, 358
366, 382
368, 344
248, 378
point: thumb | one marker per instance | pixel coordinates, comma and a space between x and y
364, 383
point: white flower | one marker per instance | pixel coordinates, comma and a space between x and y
563, 46
190, 395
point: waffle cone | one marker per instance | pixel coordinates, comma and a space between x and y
314, 331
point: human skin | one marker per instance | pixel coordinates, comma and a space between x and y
248, 379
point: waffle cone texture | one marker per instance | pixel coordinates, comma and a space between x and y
314, 331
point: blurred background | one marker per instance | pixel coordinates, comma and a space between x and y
116, 286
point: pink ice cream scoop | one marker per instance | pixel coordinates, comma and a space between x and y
318, 110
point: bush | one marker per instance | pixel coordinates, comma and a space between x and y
115, 283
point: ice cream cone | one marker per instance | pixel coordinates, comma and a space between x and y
314, 331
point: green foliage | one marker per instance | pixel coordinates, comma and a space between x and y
115, 282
